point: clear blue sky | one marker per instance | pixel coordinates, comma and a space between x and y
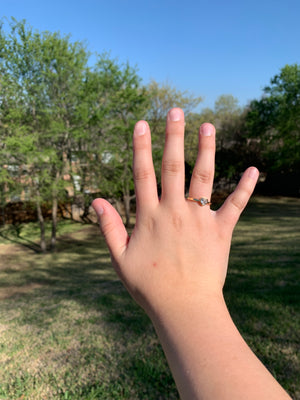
206, 47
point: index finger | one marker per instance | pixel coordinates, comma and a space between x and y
143, 169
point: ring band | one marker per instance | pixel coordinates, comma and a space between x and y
202, 201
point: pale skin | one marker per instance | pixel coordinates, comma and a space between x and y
175, 263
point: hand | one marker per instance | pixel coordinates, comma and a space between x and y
175, 263
178, 250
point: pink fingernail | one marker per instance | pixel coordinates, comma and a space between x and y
175, 115
99, 209
140, 128
207, 130
253, 173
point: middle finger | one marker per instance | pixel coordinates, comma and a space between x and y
172, 175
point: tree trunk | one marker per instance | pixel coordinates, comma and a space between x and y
41, 222
54, 221
2, 221
54, 211
2, 206
126, 201
86, 201
2, 213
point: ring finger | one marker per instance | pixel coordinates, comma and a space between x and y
203, 173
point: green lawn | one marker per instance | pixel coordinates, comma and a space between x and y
68, 329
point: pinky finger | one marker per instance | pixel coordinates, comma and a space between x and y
231, 210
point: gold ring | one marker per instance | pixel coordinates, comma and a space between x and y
202, 201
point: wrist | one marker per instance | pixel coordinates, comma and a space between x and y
180, 311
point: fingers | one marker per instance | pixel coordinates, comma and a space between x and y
203, 173
172, 174
112, 227
143, 170
231, 210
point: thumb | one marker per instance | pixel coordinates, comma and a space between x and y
112, 227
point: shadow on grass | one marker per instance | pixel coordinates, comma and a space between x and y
13, 236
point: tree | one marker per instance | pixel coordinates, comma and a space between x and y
41, 74
65, 65
275, 121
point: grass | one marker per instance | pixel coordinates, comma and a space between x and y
68, 329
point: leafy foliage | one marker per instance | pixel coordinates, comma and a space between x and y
275, 121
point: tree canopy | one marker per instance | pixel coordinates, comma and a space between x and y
275, 121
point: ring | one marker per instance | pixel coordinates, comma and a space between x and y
202, 201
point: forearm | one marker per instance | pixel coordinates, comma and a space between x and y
209, 358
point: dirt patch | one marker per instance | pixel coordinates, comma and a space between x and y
10, 291
11, 249
10, 254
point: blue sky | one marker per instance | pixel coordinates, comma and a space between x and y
206, 47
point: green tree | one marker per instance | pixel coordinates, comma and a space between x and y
42, 73
65, 65
274, 121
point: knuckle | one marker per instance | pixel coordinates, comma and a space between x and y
207, 144
140, 144
202, 176
171, 167
237, 202
141, 174
176, 222
107, 228
150, 224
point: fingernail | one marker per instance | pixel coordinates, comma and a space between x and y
207, 130
253, 173
99, 209
140, 128
174, 115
